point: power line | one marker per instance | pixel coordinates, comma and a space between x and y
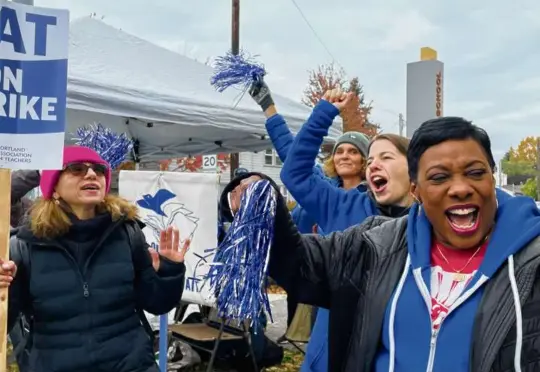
316, 34
334, 59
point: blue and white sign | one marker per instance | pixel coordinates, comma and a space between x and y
185, 200
34, 45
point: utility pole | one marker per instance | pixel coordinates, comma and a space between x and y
538, 168
235, 49
401, 124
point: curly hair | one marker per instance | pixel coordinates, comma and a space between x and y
48, 219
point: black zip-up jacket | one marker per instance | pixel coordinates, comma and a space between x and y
82, 291
354, 273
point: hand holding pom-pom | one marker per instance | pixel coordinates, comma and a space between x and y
260, 92
235, 70
236, 194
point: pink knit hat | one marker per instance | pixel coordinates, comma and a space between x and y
72, 154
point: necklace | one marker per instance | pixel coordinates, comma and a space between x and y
458, 275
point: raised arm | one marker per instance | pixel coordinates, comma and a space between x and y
276, 126
22, 182
321, 200
313, 266
157, 292
310, 265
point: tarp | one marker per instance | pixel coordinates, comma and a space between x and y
161, 98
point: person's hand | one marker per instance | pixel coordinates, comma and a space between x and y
8, 270
236, 194
260, 92
169, 245
248, 181
340, 99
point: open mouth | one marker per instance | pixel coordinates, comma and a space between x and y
90, 187
378, 183
463, 220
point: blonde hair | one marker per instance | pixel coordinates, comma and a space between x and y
48, 219
330, 168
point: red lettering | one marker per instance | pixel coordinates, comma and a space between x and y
438, 94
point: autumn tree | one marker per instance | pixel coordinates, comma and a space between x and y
526, 150
324, 78
521, 161
328, 77
192, 163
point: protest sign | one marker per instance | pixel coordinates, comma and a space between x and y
34, 46
188, 201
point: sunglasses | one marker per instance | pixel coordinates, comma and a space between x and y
81, 169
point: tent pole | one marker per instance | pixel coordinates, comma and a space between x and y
235, 49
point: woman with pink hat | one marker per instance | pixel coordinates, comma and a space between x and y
82, 271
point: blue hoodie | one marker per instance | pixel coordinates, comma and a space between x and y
332, 208
517, 224
282, 139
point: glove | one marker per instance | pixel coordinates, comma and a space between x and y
260, 92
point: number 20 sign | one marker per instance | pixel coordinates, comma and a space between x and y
209, 162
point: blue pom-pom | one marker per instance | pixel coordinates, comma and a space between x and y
111, 146
236, 70
239, 271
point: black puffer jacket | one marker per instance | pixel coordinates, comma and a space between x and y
83, 290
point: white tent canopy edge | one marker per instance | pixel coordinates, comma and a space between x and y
161, 98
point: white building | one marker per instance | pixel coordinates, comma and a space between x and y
266, 162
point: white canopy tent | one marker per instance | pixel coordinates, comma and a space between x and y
161, 98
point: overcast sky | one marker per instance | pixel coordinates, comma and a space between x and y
490, 48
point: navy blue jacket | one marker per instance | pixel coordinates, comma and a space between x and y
84, 305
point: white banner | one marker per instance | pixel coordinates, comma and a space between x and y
188, 201
34, 45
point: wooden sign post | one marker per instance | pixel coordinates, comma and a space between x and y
5, 213
33, 65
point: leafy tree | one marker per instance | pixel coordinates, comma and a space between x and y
324, 78
529, 188
521, 161
193, 163
526, 150
327, 77
517, 168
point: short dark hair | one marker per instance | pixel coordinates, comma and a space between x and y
435, 131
